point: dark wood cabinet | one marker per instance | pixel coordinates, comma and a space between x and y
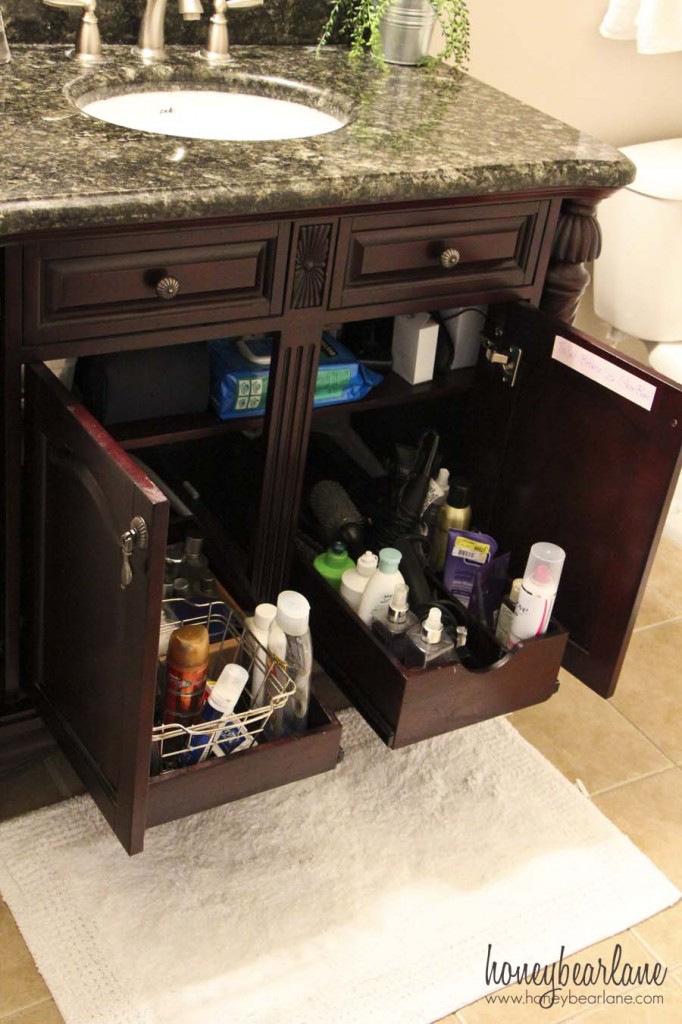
582, 450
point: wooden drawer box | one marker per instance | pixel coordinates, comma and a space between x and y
440, 254
90, 288
221, 780
407, 705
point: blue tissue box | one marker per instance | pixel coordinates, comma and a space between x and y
239, 385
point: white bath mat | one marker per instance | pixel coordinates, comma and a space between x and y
365, 896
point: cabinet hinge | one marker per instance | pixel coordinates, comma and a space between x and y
506, 357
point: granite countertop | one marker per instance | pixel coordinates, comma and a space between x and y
412, 134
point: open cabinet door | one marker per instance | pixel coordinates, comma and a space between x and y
590, 464
93, 625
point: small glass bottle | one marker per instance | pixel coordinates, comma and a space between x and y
391, 623
428, 644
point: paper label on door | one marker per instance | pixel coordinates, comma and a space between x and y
601, 371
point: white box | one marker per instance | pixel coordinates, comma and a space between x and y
413, 349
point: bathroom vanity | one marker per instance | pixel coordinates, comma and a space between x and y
293, 238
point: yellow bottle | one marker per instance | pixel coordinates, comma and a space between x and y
456, 515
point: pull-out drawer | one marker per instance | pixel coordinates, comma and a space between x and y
95, 612
406, 705
469, 250
141, 282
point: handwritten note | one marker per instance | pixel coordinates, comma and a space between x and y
601, 371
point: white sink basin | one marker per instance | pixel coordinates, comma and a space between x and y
199, 113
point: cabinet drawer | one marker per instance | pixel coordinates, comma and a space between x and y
265, 766
407, 705
440, 253
88, 288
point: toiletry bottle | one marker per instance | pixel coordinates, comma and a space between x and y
381, 584
169, 623
436, 497
391, 622
355, 579
277, 663
333, 562
186, 672
455, 514
221, 703
258, 626
538, 591
293, 614
196, 561
427, 643
506, 613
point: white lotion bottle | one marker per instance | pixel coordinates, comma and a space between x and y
258, 625
293, 614
381, 584
538, 591
354, 581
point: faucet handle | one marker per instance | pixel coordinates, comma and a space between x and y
218, 43
88, 42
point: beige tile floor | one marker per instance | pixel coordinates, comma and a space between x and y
627, 752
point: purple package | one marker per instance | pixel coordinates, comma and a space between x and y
467, 553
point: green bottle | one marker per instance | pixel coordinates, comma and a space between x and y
333, 562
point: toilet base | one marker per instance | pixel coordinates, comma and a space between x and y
667, 359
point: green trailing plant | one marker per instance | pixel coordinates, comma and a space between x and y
360, 22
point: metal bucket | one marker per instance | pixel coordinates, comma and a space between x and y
406, 30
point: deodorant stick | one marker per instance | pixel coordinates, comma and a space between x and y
538, 591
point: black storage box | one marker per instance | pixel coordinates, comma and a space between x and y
123, 386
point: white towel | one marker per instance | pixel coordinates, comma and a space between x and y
655, 24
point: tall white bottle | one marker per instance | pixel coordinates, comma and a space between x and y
293, 614
354, 581
538, 591
381, 584
258, 626
277, 646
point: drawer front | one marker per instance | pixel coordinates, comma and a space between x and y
407, 705
440, 253
91, 288
266, 766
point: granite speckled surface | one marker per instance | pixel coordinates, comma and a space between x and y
412, 134
278, 22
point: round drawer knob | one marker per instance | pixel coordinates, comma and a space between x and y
168, 288
449, 258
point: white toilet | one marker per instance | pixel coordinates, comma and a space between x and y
638, 277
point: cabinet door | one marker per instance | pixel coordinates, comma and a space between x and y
590, 463
93, 641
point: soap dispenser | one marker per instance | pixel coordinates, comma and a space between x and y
392, 621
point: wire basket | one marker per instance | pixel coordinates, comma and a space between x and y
259, 711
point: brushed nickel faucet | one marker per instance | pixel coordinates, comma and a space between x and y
151, 44
217, 49
88, 43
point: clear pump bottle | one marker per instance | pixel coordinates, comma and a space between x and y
427, 643
391, 622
